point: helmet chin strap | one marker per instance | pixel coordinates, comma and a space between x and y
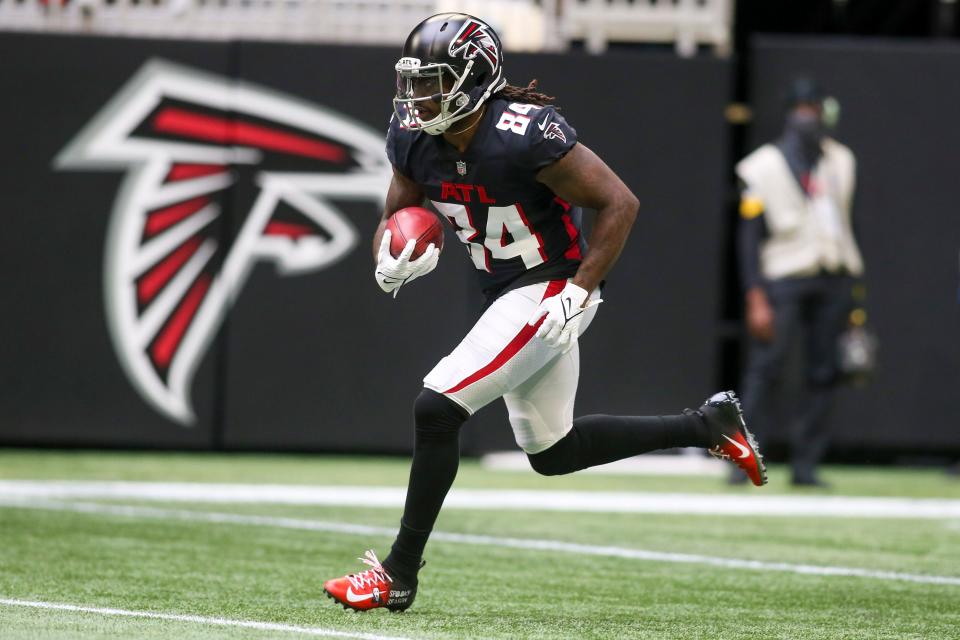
446, 120
440, 128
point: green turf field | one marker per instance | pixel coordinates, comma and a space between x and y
162, 560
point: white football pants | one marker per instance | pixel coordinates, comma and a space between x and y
501, 356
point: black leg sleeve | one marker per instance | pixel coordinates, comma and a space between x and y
599, 439
436, 457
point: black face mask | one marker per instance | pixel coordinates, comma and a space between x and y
807, 127
801, 140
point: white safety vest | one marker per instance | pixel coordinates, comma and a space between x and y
807, 232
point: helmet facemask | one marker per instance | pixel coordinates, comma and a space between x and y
433, 82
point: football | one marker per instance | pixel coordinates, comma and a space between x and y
414, 223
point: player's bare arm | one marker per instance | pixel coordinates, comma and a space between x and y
583, 179
403, 192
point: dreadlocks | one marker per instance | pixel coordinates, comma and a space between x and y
525, 95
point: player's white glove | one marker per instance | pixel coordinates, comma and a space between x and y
562, 315
392, 273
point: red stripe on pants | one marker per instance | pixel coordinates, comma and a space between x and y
518, 342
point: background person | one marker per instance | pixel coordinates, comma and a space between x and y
798, 259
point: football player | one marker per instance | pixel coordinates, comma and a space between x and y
507, 171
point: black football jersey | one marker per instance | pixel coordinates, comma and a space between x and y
516, 230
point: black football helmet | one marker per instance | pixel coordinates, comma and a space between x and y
450, 60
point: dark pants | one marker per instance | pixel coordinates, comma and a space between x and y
815, 308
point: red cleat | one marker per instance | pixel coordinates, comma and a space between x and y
370, 589
729, 437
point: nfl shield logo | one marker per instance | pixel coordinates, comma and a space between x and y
461, 167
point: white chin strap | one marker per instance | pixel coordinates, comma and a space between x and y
439, 124
443, 121
435, 129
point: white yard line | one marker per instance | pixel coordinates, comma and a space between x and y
492, 541
688, 463
220, 622
754, 504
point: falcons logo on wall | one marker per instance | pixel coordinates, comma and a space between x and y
220, 174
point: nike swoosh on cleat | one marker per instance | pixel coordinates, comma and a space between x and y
352, 597
743, 450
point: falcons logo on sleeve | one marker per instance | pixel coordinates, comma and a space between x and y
220, 174
553, 131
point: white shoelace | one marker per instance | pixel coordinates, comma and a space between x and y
718, 453
371, 576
